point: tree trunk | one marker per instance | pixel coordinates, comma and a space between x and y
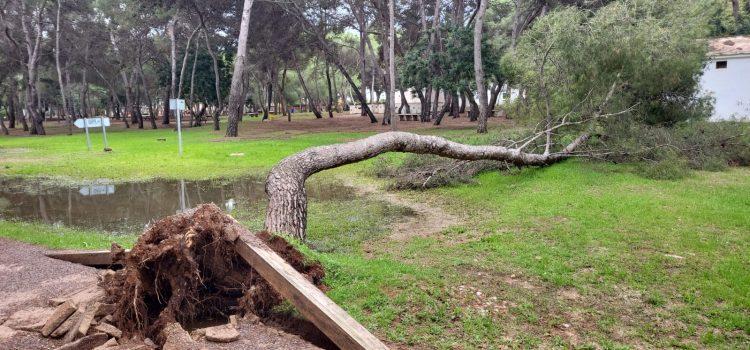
217, 81
184, 60
474, 112
392, 62
285, 184
310, 102
167, 96
11, 108
362, 22
330, 91
282, 96
191, 101
237, 92
63, 100
446, 108
736, 11
33, 55
479, 67
495, 95
151, 111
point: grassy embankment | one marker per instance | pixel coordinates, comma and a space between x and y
576, 253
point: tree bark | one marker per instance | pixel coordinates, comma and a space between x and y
63, 100
11, 108
330, 91
479, 67
310, 102
33, 55
736, 11
151, 110
285, 184
185, 59
392, 63
237, 92
282, 96
217, 81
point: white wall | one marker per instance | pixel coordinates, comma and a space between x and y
729, 86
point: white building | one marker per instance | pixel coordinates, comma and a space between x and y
727, 77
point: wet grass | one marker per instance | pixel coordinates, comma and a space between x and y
140, 155
575, 255
56, 237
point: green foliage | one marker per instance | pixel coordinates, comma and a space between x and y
670, 153
453, 67
634, 43
722, 20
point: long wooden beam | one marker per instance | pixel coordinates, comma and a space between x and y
313, 304
88, 258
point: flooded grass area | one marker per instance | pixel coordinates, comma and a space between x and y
126, 208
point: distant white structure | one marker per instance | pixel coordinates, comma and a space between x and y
727, 77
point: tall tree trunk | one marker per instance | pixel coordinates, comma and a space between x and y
237, 93
330, 91
310, 102
184, 60
191, 101
392, 62
479, 67
85, 83
63, 100
362, 23
446, 108
282, 95
217, 81
146, 92
736, 11
171, 33
167, 96
11, 108
32, 49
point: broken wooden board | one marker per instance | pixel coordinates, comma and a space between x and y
313, 304
89, 258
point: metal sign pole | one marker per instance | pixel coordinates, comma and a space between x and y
179, 128
88, 138
104, 133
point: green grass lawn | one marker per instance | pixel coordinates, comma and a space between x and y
579, 254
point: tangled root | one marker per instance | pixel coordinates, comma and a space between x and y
184, 269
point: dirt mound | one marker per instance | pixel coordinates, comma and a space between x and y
184, 269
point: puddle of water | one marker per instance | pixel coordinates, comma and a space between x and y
129, 207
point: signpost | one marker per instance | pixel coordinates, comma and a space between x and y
86, 123
178, 105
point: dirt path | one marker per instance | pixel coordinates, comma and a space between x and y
427, 220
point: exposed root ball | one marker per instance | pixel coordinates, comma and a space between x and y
184, 268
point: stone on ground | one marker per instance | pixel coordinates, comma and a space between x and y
62, 312
109, 329
222, 334
86, 343
6, 332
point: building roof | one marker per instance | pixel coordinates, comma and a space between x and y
729, 46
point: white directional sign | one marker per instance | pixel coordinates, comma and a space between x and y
176, 104
96, 190
91, 122
87, 123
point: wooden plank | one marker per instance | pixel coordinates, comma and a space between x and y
313, 304
85, 257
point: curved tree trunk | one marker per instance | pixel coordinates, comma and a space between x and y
285, 185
